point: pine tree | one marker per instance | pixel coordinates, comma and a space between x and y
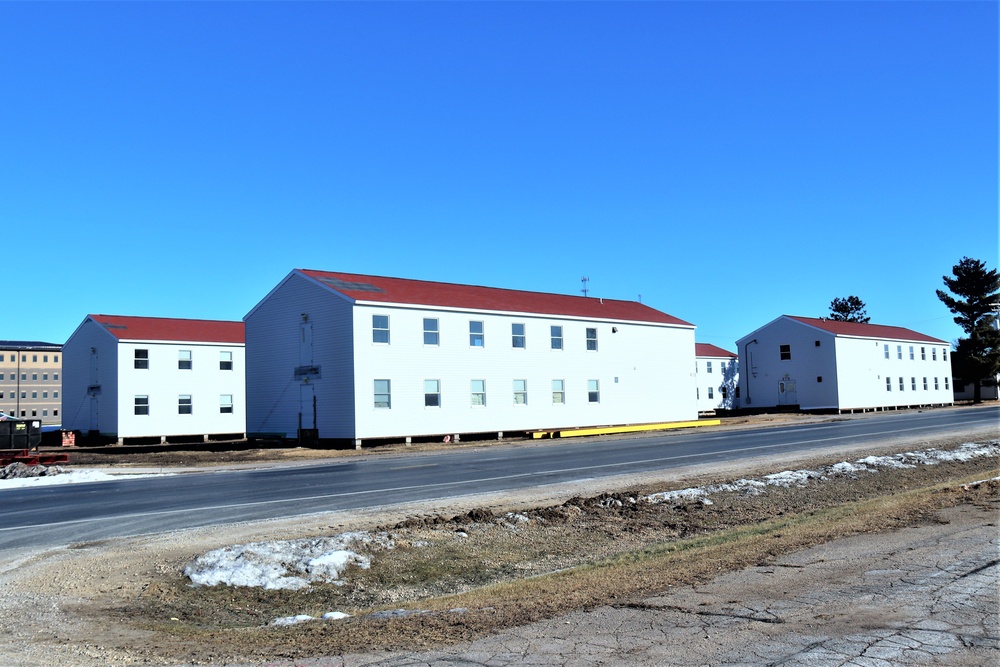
975, 303
851, 309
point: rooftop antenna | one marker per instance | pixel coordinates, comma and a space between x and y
585, 280
640, 298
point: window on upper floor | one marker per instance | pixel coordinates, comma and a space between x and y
933, 354
886, 350
432, 334
184, 360
899, 351
708, 367
225, 360
517, 337
142, 359
592, 339
785, 351
912, 357
380, 329
944, 354
556, 334
476, 336
923, 354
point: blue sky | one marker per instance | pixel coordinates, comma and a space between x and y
728, 161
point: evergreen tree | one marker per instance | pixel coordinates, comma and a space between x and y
851, 309
975, 302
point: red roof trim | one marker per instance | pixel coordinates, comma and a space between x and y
124, 327
709, 350
450, 295
866, 330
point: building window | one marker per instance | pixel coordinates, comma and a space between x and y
184, 406
383, 394
708, 368
142, 405
736, 394
45, 358
432, 393
55, 376
184, 360
226, 404
925, 384
478, 393
476, 338
592, 339
886, 350
724, 392
711, 394
785, 351
45, 376
911, 354
380, 329
24, 394
944, 354
558, 392
55, 394
24, 377
45, 413
913, 384
55, 358
34, 394
225, 361
557, 337
819, 378
34, 377
935, 384
923, 354
902, 385
946, 382
933, 354
45, 394
432, 336
888, 383
55, 413
34, 358
594, 391
899, 351
517, 335
520, 392
142, 359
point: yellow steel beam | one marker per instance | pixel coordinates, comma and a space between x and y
608, 430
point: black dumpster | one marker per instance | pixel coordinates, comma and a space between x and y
20, 433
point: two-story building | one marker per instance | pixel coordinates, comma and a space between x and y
820, 364
718, 375
349, 357
149, 377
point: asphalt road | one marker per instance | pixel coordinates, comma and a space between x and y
66, 514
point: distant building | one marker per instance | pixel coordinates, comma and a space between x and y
148, 377
350, 357
819, 364
717, 373
29, 380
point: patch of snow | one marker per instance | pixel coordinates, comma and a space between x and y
69, 477
335, 616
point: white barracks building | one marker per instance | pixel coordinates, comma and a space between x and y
350, 357
819, 364
152, 377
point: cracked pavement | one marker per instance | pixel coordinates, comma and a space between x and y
923, 595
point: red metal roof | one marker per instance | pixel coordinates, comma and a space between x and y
709, 350
866, 330
450, 295
124, 327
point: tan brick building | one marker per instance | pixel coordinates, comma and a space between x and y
30, 380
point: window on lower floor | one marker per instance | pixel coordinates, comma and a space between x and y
888, 384
946, 383
142, 405
902, 385
558, 392
478, 389
383, 394
711, 394
935, 384
925, 384
432, 393
913, 384
226, 404
594, 391
520, 392
184, 405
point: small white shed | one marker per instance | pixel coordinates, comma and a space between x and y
349, 357
819, 364
146, 377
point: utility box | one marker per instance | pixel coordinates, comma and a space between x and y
20, 433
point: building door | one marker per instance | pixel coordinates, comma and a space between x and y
786, 393
94, 394
308, 433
